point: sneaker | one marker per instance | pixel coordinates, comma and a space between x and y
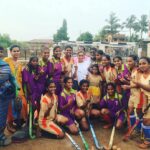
144, 145
4, 141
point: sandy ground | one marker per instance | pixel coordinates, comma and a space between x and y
103, 136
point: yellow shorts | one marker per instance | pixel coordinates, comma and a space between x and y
95, 91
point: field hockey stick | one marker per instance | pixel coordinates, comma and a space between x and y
113, 130
128, 134
98, 146
112, 135
31, 122
82, 137
73, 142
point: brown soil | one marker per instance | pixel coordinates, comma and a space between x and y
103, 136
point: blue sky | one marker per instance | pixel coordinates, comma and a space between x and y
33, 19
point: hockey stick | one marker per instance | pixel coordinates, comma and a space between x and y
98, 146
82, 137
31, 122
73, 142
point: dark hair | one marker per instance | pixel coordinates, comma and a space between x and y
100, 52
13, 46
111, 84
134, 57
1, 48
48, 82
119, 57
56, 48
96, 65
30, 66
94, 49
68, 46
83, 81
66, 79
108, 58
146, 58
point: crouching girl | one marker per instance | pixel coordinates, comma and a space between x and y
48, 117
112, 107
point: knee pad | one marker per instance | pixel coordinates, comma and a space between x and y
146, 131
132, 119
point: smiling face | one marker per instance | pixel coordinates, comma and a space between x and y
95, 70
110, 90
80, 56
130, 62
34, 62
45, 54
57, 53
105, 61
117, 62
84, 87
15, 52
51, 88
144, 65
98, 56
68, 52
69, 84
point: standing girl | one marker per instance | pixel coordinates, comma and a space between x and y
95, 79
56, 61
46, 68
107, 72
16, 70
48, 116
31, 81
122, 78
143, 82
7, 92
135, 92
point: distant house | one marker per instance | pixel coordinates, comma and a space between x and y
36, 44
116, 38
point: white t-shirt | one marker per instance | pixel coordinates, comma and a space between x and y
82, 70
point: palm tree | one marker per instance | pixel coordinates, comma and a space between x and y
130, 24
113, 24
143, 23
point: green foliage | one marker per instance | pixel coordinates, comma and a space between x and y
61, 33
143, 24
101, 35
5, 40
131, 24
87, 36
113, 24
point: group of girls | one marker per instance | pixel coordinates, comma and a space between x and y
63, 90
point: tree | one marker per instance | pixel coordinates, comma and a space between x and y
101, 35
87, 36
130, 24
61, 33
5, 40
143, 23
113, 24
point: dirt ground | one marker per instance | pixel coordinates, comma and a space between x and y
103, 136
